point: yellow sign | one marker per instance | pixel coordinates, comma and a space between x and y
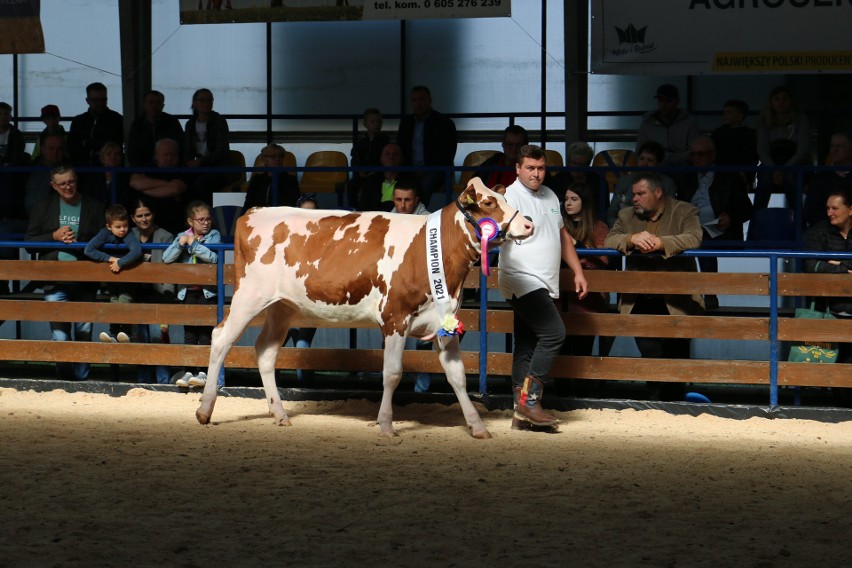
781, 61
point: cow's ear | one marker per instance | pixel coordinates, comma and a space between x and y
499, 188
467, 199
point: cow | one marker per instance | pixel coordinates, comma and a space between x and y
340, 268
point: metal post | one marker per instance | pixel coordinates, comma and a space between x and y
483, 330
773, 330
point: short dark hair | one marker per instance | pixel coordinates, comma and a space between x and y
61, 169
843, 191
423, 89
518, 130
371, 110
653, 179
741, 106
6, 106
530, 151
408, 181
654, 148
94, 87
116, 212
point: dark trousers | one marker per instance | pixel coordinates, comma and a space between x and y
197, 334
661, 348
538, 333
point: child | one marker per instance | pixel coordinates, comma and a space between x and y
366, 152
116, 232
190, 247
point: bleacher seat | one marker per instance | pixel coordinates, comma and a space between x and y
225, 220
474, 158
617, 157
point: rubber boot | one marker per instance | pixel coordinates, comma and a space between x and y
529, 407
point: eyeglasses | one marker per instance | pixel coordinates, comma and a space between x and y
203, 219
67, 183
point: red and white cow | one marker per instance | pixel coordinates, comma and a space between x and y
338, 269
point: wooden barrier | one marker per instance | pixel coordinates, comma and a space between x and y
498, 318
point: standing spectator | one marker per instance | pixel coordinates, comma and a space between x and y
835, 235
366, 152
650, 155
722, 202
377, 188
783, 135
736, 143
427, 138
12, 216
90, 130
580, 155
165, 191
514, 137
822, 184
38, 185
658, 224
50, 116
11, 139
671, 127
150, 127
207, 145
147, 231
190, 247
260, 190
529, 280
116, 232
64, 217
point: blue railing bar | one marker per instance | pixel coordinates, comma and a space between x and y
773, 331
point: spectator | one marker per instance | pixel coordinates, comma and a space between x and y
835, 235
783, 135
822, 184
529, 280
514, 137
260, 189
580, 155
12, 215
92, 129
11, 139
366, 152
147, 231
586, 231
38, 185
116, 232
208, 144
377, 188
191, 247
66, 216
109, 186
50, 116
722, 202
736, 143
658, 224
150, 127
671, 127
166, 192
427, 138
650, 155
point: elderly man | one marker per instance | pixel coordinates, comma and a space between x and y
149, 127
822, 184
579, 155
651, 234
165, 190
514, 137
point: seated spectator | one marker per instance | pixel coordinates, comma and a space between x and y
650, 155
722, 202
427, 138
366, 152
833, 235
92, 129
580, 155
377, 188
736, 143
782, 140
166, 192
50, 116
514, 137
669, 126
116, 232
107, 186
207, 145
822, 184
150, 127
38, 185
66, 217
658, 224
261, 192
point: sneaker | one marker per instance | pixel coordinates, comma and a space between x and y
198, 380
107, 338
122, 337
184, 380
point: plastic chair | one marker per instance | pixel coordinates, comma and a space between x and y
617, 157
772, 224
553, 159
475, 158
235, 179
225, 220
324, 182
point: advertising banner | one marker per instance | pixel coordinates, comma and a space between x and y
695, 37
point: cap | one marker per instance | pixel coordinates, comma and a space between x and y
50, 110
667, 91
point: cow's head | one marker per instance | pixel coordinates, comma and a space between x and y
490, 218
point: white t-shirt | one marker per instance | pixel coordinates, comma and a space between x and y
531, 264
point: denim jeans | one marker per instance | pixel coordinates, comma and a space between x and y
61, 331
302, 337
538, 333
143, 373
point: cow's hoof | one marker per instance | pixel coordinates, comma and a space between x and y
284, 422
202, 418
484, 435
388, 433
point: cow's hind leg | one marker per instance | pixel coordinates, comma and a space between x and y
391, 375
268, 343
243, 309
450, 358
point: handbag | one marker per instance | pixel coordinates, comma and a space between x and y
813, 352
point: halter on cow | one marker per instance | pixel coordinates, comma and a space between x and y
340, 269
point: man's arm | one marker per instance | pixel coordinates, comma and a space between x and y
153, 187
569, 255
619, 237
689, 233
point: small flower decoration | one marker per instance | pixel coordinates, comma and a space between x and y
450, 325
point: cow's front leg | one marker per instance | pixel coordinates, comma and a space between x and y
391, 375
450, 358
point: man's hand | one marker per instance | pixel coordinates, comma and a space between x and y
64, 235
580, 286
724, 221
646, 242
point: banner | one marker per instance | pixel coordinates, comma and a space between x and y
20, 26
695, 37
230, 11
